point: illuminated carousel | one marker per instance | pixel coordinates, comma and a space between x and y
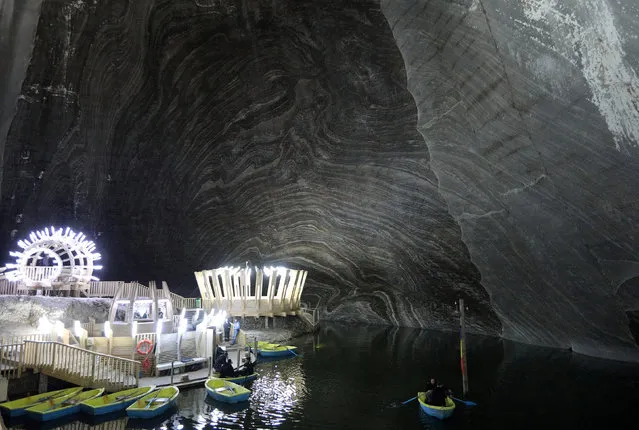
54, 261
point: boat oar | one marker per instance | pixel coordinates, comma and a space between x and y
291, 351
466, 402
409, 400
152, 400
45, 399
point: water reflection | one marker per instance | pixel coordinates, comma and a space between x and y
276, 394
350, 378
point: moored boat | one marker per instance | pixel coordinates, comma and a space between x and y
441, 412
273, 350
59, 408
115, 401
243, 379
154, 403
16, 408
226, 391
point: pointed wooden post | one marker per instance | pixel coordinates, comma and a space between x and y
462, 346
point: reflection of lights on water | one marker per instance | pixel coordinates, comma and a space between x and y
277, 396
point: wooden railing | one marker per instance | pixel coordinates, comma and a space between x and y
310, 315
4, 340
9, 288
10, 366
79, 366
180, 302
109, 288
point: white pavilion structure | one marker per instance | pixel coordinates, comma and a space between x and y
267, 291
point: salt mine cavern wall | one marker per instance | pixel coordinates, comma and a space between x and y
405, 152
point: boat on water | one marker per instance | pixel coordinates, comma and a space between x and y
274, 350
225, 391
243, 379
115, 401
58, 408
16, 408
154, 403
441, 412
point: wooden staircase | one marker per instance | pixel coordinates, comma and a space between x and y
79, 366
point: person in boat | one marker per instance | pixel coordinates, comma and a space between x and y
221, 359
431, 385
227, 370
437, 396
247, 368
227, 330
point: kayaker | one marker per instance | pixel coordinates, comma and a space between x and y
227, 370
227, 330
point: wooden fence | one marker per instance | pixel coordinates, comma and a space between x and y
79, 366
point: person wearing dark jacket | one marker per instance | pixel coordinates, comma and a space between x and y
438, 396
248, 368
227, 370
220, 361
431, 385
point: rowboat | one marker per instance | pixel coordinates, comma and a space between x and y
441, 412
16, 408
274, 350
154, 403
59, 408
244, 379
225, 391
114, 402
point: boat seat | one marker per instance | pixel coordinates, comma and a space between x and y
225, 389
158, 399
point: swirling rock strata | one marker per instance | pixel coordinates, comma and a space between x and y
529, 112
193, 134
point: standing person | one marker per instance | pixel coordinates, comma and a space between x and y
227, 330
236, 330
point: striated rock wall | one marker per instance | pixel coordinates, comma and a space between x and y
183, 135
405, 152
529, 110
18, 21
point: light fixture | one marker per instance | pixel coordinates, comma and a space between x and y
44, 326
107, 329
77, 328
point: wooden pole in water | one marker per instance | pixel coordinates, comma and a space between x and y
462, 346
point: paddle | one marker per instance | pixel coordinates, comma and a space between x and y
65, 402
44, 399
466, 402
409, 400
134, 394
152, 400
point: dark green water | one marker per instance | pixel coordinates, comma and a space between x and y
354, 377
